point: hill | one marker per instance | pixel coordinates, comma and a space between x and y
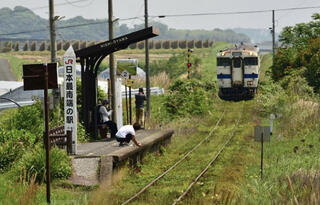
23, 23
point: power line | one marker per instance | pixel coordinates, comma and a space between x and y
163, 16
82, 6
234, 12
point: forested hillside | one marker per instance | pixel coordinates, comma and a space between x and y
27, 25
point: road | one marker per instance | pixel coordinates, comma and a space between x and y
5, 71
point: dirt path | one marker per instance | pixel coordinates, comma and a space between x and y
5, 71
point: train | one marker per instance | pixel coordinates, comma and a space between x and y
238, 72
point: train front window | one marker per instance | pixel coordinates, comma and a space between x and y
224, 62
251, 61
237, 62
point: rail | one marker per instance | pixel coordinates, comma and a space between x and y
208, 166
176, 164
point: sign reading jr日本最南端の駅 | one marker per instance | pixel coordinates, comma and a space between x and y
70, 95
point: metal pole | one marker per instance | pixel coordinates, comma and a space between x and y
126, 87
273, 37
147, 58
130, 104
111, 65
261, 168
188, 65
46, 131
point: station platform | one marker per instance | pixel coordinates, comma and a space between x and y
97, 161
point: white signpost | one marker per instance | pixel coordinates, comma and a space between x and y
70, 96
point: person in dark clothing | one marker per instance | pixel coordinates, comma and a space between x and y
104, 116
140, 98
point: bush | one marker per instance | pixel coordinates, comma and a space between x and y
191, 97
42, 46
29, 118
33, 46
59, 46
26, 46
17, 46
133, 46
9, 152
141, 45
158, 44
33, 162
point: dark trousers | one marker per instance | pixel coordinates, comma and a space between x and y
127, 139
112, 127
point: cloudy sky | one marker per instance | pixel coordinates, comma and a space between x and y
98, 9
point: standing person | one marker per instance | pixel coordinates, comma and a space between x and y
104, 116
127, 133
140, 98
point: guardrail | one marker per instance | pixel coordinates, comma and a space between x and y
153, 91
13, 105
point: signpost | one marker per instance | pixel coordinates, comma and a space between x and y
127, 68
261, 134
42, 77
70, 96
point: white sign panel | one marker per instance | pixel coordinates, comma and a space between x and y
70, 96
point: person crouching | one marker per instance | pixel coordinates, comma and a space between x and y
127, 133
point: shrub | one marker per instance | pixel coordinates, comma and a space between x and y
151, 44
29, 118
166, 44
191, 44
158, 44
133, 46
174, 44
33, 46
183, 44
17, 46
9, 152
26, 46
42, 46
59, 46
205, 44
76, 45
83, 44
198, 44
33, 162
141, 45
66, 45
191, 97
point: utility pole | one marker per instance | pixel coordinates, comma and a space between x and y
273, 38
112, 69
53, 45
52, 32
147, 58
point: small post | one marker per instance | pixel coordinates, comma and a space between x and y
127, 113
130, 104
69, 141
261, 168
46, 132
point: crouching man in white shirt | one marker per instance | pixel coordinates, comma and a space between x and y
127, 133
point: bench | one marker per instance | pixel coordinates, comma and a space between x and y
60, 139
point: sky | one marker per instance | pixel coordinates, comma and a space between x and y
123, 9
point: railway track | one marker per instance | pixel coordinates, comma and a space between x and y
176, 164
145, 188
184, 194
